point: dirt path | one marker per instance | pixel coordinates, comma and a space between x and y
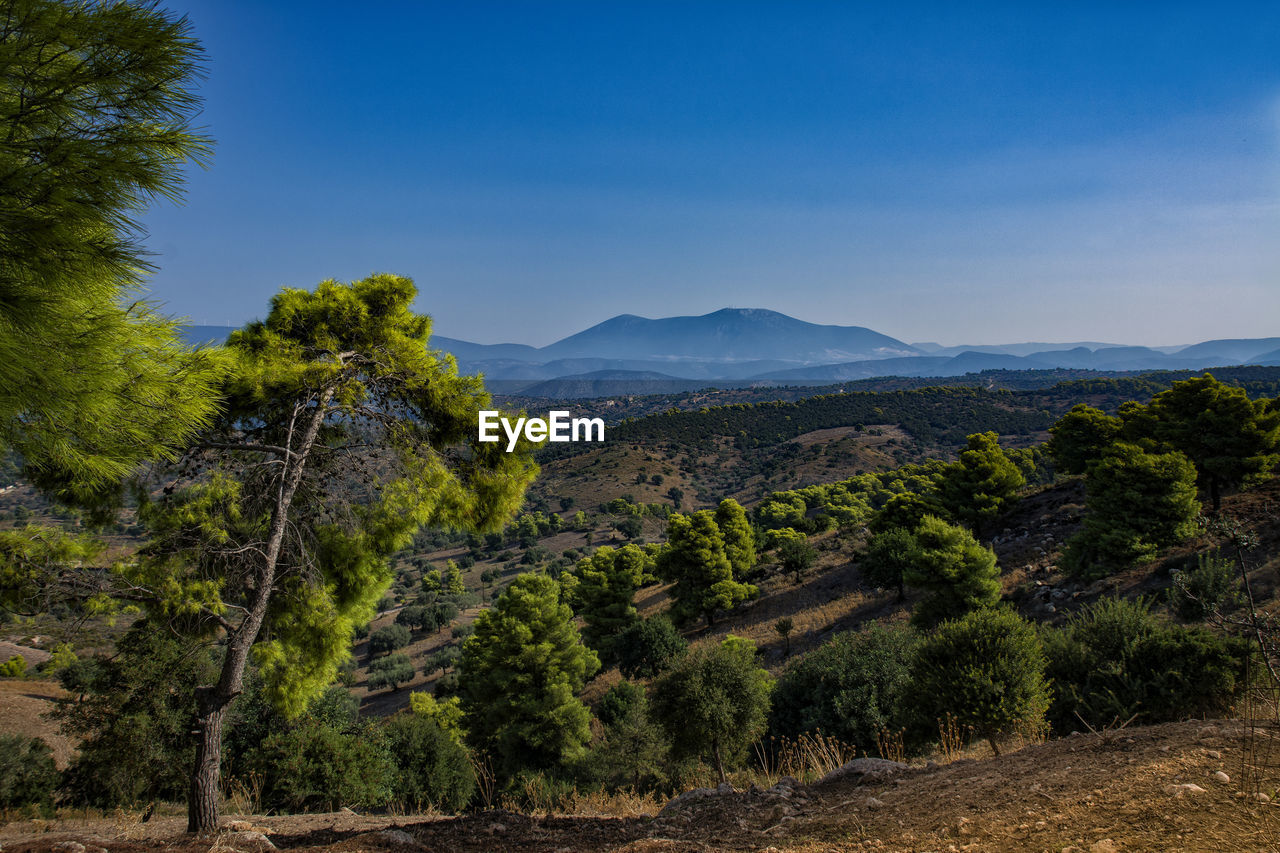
1083, 794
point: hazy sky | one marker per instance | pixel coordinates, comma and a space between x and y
960, 173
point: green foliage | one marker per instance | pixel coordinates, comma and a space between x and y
695, 560
602, 591
987, 669
1080, 437
520, 675
96, 101
632, 751
983, 484
1116, 659
387, 639
431, 766
390, 671
14, 667
849, 688
649, 647
905, 512
451, 580
1200, 591
132, 715
890, 556
1137, 502
796, 555
1230, 439
28, 775
313, 765
714, 703
959, 573
739, 540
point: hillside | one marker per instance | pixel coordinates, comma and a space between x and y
1140, 789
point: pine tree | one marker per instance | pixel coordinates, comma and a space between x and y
602, 589
694, 559
983, 484
739, 541
959, 573
1081, 436
342, 434
520, 674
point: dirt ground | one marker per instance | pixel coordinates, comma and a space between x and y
1148, 789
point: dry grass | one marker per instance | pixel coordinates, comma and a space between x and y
806, 758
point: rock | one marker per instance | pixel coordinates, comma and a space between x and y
873, 803
1049, 608
250, 841
398, 836
346, 810
496, 828
1261, 798
1184, 788
1213, 753
1221, 777
1106, 845
862, 769
724, 788
68, 847
685, 799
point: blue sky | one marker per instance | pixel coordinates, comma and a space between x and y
960, 173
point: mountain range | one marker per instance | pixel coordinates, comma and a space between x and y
740, 346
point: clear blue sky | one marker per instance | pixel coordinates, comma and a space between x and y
962, 173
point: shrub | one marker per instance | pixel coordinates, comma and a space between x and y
959, 573
849, 688
1197, 592
391, 671
1116, 659
27, 772
431, 767
387, 639
649, 647
987, 670
315, 766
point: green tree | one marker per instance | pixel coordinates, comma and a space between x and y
1137, 502
694, 559
1231, 440
1117, 659
983, 484
783, 627
987, 669
342, 434
905, 512
387, 639
316, 765
28, 775
431, 767
390, 671
796, 555
889, 558
520, 675
849, 688
959, 573
739, 541
602, 590
132, 715
452, 581
714, 702
632, 751
649, 647
96, 101
1080, 436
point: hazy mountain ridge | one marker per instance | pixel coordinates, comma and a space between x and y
750, 345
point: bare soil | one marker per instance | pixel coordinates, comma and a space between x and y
1121, 791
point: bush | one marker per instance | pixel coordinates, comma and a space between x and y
959, 572
315, 766
849, 688
649, 647
27, 773
14, 667
987, 670
431, 767
387, 639
1116, 659
1197, 592
391, 671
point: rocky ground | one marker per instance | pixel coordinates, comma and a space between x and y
1184, 786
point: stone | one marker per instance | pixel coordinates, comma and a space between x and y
685, 799
1106, 845
873, 803
398, 836
1214, 754
1262, 798
68, 847
1221, 777
862, 769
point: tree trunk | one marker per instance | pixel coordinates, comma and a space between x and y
203, 807
991, 740
715, 754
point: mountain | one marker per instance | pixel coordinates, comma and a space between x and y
1233, 351
728, 335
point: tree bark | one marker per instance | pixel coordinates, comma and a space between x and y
715, 754
203, 806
